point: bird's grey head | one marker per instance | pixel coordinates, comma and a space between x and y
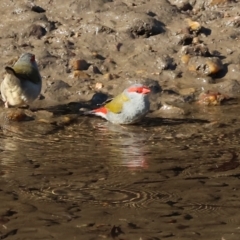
27, 58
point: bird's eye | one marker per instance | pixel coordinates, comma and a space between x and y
138, 91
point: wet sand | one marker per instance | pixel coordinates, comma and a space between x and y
173, 176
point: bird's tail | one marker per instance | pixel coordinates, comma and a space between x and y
91, 112
99, 111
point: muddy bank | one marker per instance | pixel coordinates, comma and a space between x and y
182, 49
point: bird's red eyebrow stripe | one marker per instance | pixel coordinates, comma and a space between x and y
101, 110
142, 89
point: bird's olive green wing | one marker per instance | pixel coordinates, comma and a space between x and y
27, 72
116, 104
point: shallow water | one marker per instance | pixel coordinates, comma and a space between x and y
165, 178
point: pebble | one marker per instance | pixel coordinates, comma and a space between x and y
233, 21
37, 31
211, 98
187, 91
98, 86
195, 50
205, 66
81, 75
108, 76
170, 110
193, 25
94, 69
79, 64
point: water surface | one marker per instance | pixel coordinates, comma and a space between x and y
164, 178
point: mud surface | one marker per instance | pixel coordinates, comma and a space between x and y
174, 176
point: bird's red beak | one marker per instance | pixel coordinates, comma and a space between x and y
145, 90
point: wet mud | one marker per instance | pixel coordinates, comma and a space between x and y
176, 174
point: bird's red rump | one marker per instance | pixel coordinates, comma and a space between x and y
101, 110
143, 89
33, 58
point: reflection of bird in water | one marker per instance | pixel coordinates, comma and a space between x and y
124, 146
135, 158
20, 141
10, 156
